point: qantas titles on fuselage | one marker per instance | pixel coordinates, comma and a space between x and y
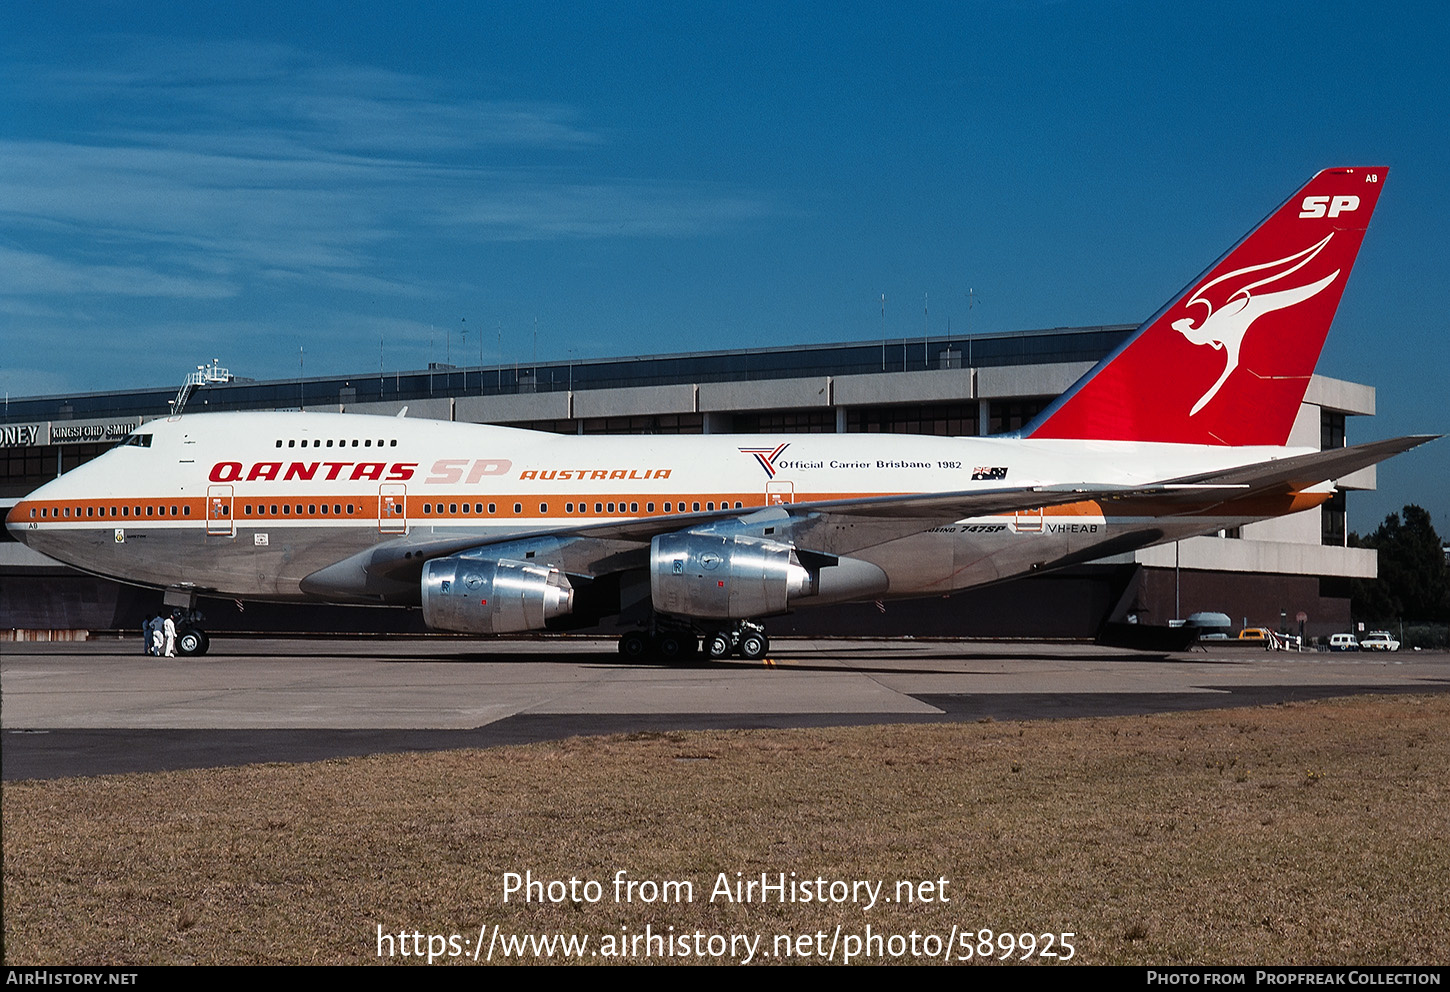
308, 471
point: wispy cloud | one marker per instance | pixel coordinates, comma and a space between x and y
25, 273
186, 171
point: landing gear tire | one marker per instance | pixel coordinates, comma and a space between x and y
719, 646
753, 646
191, 643
634, 645
675, 649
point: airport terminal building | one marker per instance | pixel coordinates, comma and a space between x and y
1287, 573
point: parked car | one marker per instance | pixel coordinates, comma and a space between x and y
1261, 634
1379, 640
1343, 642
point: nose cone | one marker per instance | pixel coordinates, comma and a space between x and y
17, 520
25, 522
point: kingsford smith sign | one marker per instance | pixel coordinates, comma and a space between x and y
48, 432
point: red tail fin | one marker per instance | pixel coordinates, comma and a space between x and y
1229, 360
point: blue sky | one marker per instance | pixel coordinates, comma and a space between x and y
186, 181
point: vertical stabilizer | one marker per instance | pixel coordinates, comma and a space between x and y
1229, 360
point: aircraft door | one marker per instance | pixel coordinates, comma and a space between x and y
219, 520
393, 508
779, 492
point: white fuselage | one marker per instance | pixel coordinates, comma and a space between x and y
248, 505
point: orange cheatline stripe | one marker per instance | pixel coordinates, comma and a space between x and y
367, 506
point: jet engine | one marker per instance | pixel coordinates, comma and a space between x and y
489, 596
713, 576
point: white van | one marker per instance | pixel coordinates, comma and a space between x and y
1343, 642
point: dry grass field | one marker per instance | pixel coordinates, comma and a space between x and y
1300, 833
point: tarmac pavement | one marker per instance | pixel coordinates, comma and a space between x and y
102, 707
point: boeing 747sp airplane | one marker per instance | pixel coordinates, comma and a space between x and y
1181, 431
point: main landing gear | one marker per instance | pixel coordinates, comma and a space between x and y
678, 643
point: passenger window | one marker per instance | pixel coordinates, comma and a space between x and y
493, 508
543, 507
518, 508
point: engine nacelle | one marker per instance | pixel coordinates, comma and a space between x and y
736, 577
487, 596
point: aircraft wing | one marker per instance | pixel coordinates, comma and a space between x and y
391, 570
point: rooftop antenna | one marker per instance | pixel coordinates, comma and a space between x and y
883, 332
972, 299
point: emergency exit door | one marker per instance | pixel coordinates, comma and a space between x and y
219, 521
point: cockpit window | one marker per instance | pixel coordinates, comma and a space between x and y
139, 441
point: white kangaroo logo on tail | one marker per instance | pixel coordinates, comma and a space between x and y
1224, 328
